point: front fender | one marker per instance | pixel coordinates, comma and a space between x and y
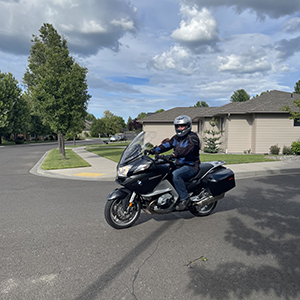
121, 194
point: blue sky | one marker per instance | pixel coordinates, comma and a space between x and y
147, 55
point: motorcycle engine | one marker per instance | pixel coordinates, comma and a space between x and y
165, 200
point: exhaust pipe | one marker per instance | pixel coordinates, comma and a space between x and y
209, 200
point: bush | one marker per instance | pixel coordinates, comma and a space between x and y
296, 147
19, 139
287, 150
274, 150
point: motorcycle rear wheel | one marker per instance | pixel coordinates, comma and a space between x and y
204, 211
117, 218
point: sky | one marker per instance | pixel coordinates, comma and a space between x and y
146, 55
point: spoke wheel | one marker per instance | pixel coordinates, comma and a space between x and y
116, 217
204, 211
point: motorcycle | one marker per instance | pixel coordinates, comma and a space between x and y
147, 185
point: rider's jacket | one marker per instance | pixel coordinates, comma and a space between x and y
186, 149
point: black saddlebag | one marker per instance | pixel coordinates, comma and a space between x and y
220, 181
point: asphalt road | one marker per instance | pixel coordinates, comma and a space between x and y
55, 244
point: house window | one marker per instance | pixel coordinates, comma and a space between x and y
297, 122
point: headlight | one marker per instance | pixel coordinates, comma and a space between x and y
122, 171
142, 167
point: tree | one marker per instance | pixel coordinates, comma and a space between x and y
97, 127
297, 87
201, 104
56, 84
211, 143
159, 110
21, 118
128, 122
10, 94
141, 115
90, 117
240, 96
112, 123
134, 125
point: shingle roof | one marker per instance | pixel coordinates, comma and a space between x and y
169, 115
270, 102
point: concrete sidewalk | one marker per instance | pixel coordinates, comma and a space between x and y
103, 169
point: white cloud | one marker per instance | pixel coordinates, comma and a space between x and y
252, 61
88, 25
263, 8
198, 29
176, 58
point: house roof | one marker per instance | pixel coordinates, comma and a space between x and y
169, 115
269, 102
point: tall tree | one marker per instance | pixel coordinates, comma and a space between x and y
240, 96
297, 87
141, 115
201, 104
56, 83
10, 94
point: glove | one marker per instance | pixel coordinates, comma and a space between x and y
170, 157
151, 151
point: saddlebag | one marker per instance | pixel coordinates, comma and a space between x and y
220, 181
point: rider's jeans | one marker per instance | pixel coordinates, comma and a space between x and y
179, 176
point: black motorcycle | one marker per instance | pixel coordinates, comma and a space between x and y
147, 184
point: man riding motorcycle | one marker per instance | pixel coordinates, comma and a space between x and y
186, 145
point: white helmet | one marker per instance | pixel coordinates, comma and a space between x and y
185, 121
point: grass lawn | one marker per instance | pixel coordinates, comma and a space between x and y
115, 154
54, 160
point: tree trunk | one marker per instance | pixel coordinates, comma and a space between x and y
59, 142
63, 152
74, 140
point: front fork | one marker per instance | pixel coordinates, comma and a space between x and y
128, 204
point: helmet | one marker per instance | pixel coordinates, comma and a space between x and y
185, 121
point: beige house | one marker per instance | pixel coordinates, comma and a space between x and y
252, 126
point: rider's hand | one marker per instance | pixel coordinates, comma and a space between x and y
152, 151
170, 157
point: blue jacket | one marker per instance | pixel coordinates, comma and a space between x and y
186, 149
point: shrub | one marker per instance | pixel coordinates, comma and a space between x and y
212, 140
287, 150
296, 147
274, 150
19, 139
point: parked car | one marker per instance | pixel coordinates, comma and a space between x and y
113, 139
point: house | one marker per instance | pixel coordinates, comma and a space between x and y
254, 125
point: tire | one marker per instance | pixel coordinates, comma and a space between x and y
117, 218
204, 211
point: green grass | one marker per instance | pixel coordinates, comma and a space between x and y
111, 153
115, 154
54, 160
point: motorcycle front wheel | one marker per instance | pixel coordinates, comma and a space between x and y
117, 217
204, 211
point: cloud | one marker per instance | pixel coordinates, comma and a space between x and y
252, 61
288, 48
292, 25
177, 58
87, 25
271, 8
198, 30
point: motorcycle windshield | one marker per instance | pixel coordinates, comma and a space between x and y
135, 149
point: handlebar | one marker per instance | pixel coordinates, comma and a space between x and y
168, 158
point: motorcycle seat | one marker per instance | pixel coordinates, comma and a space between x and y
204, 167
